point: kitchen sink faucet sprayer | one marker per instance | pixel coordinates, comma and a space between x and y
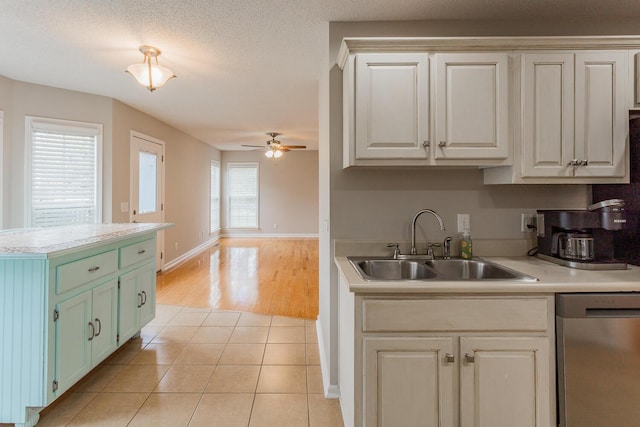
414, 251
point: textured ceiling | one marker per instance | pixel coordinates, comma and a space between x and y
245, 67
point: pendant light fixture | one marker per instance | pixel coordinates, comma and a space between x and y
150, 74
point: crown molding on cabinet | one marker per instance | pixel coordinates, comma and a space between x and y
352, 45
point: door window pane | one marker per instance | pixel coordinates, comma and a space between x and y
148, 185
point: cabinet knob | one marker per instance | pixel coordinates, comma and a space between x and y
573, 162
449, 358
426, 144
584, 162
442, 144
469, 358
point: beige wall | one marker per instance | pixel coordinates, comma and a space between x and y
288, 192
44, 101
378, 204
187, 160
187, 174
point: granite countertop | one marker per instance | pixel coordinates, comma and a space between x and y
552, 278
47, 241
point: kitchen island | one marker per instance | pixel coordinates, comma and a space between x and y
456, 353
70, 296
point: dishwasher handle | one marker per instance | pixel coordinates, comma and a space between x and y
611, 304
612, 312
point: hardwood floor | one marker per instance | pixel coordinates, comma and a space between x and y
266, 276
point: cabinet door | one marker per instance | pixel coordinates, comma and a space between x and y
547, 118
147, 286
105, 317
408, 381
73, 348
392, 106
601, 116
472, 106
505, 382
130, 301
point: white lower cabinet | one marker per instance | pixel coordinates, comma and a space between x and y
406, 382
504, 382
137, 301
85, 333
468, 361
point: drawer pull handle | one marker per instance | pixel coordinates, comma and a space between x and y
140, 296
99, 323
93, 331
92, 269
469, 358
144, 294
449, 358
141, 251
442, 144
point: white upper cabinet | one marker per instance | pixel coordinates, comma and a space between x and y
601, 120
472, 106
574, 120
392, 106
547, 116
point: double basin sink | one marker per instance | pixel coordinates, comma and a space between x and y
416, 268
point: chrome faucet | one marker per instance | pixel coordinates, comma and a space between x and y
447, 248
413, 227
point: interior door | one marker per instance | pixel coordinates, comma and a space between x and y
147, 185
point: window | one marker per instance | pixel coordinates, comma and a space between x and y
243, 195
214, 206
64, 172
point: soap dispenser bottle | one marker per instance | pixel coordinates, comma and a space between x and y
466, 247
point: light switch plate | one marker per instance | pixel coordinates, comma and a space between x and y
124, 207
464, 222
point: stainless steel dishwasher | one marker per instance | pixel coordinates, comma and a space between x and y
598, 358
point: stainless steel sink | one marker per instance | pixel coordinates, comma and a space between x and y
415, 268
391, 269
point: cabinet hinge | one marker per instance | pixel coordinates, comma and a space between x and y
118, 338
161, 255
54, 386
162, 158
161, 206
56, 315
118, 283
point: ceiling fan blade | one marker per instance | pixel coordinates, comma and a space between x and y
283, 149
253, 146
294, 146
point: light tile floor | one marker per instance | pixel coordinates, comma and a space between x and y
202, 367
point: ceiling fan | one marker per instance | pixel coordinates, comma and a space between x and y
274, 148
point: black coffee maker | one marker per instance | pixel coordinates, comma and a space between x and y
582, 238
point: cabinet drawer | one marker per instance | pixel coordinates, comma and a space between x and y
137, 252
461, 314
77, 273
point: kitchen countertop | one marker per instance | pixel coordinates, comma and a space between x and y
552, 278
44, 242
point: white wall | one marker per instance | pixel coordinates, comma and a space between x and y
288, 193
378, 204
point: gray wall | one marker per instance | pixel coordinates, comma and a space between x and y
288, 193
378, 204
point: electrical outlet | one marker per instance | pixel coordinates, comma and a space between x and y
275, 226
528, 222
464, 222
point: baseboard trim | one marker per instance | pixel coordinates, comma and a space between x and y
187, 255
271, 236
331, 391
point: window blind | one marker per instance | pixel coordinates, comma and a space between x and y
243, 195
215, 197
64, 175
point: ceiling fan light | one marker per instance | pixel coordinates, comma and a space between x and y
269, 153
277, 154
148, 74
